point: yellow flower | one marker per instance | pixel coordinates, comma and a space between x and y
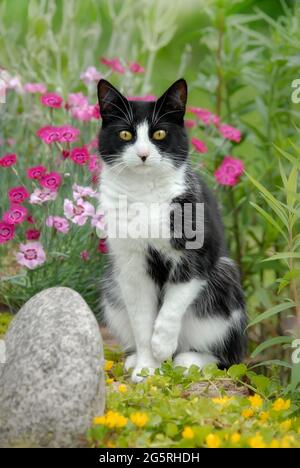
108, 365
222, 401
139, 419
122, 388
110, 444
213, 441
281, 404
188, 433
109, 381
275, 444
99, 420
256, 441
235, 438
286, 425
247, 413
115, 419
264, 416
298, 430
256, 401
287, 441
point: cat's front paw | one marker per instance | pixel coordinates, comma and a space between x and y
164, 343
136, 377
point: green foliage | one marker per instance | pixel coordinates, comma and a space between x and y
5, 320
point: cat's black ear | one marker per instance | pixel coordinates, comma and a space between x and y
174, 99
112, 103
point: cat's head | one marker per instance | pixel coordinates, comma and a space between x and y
143, 136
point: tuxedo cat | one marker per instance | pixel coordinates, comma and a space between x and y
161, 298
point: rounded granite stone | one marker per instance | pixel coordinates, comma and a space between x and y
52, 384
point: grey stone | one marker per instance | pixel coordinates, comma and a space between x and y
52, 384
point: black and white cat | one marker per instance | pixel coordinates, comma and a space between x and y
160, 298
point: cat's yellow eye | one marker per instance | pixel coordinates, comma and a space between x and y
159, 135
125, 135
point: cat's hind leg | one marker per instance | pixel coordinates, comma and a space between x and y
191, 358
130, 361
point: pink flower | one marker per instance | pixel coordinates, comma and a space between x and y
30, 219
36, 172
51, 181
35, 88
93, 144
15, 215
229, 172
18, 194
189, 123
32, 234
95, 164
49, 134
84, 114
80, 156
52, 100
11, 142
205, 115
230, 133
58, 223
96, 112
65, 154
77, 100
38, 197
199, 145
90, 75
68, 134
102, 246
7, 232
85, 256
82, 192
114, 64
135, 67
98, 221
31, 255
147, 98
8, 160
80, 212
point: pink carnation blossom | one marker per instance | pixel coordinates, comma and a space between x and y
38, 197
49, 134
7, 232
80, 212
33, 234
98, 221
77, 100
189, 123
18, 194
80, 156
146, 98
95, 164
52, 100
36, 172
96, 112
102, 246
93, 144
199, 145
51, 181
68, 134
11, 142
30, 219
8, 160
85, 256
114, 64
229, 172
135, 67
58, 223
31, 255
205, 115
230, 133
84, 114
95, 179
90, 75
15, 215
65, 154
35, 88
82, 192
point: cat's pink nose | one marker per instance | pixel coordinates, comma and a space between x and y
143, 154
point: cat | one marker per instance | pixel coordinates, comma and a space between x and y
161, 299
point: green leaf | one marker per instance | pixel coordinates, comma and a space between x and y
260, 382
273, 362
270, 199
269, 219
237, 371
271, 342
282, 256
271, 312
